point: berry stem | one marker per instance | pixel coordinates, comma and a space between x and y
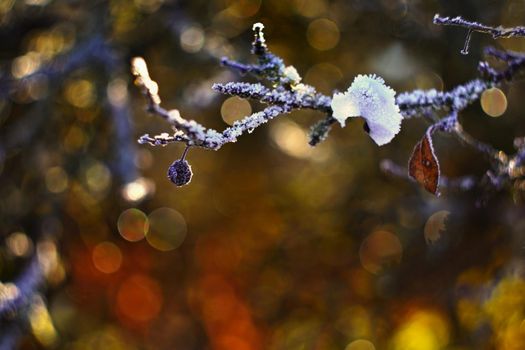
185, 152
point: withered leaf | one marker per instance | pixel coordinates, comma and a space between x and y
423, 165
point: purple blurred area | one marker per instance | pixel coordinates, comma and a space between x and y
274, 244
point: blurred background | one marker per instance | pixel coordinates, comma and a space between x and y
273, 245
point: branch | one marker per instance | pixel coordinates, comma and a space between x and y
287, 93
194, 134
464, 183
419, 102
495, 32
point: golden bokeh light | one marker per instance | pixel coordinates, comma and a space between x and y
323, 34
107, 257
235, 108
25, 65
74, 139
56, 180
139, 298
292, 140
98, 177
51, 42
41, 323
167, 229
192, 39
360, 344
424, 330
19, 244
138, 189
493, 102
80, 93
380, 250
133, 224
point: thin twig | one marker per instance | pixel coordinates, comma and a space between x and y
496, 32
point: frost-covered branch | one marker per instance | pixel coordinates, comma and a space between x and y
286, 94
464, 183
415, 103
194, 134
367, 97
496, 32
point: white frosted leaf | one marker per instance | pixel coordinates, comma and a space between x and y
370, 98
343, 108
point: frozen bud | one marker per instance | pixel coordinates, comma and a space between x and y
291, 73
179, 172
319, 132
142, 79
370, 98
259, 44
139, 67
258, 27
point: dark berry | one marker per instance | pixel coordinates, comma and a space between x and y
179, 172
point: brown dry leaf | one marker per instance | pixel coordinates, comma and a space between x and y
423, 165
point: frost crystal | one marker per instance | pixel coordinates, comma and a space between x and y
370, 98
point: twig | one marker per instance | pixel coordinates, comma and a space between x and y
496, 32
464, 183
